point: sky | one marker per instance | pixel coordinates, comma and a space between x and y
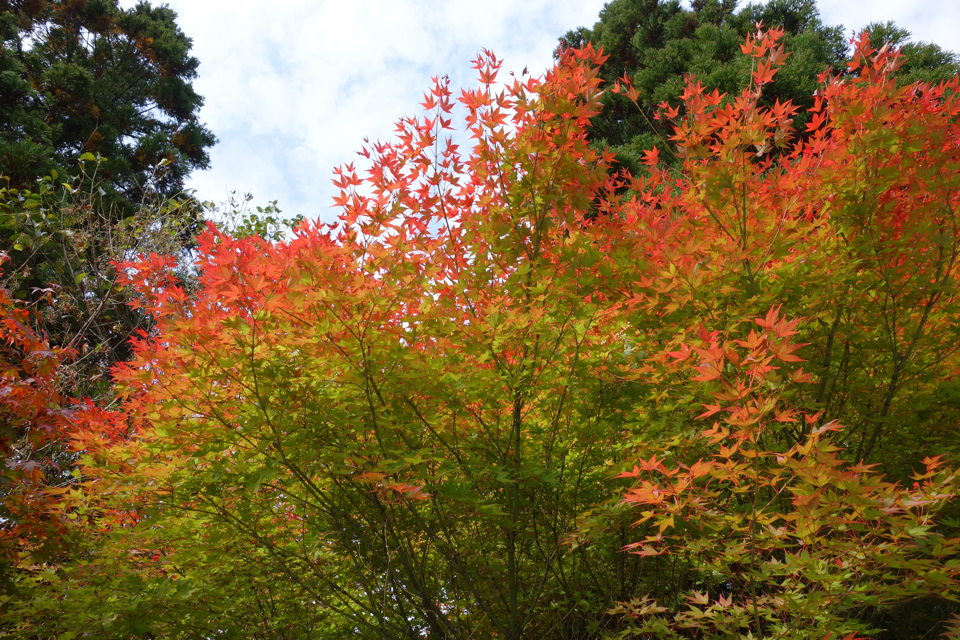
292, 88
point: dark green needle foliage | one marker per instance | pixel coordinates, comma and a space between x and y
88, 76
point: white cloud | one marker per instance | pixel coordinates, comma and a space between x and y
292, 88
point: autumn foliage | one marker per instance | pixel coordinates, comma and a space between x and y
35, 423
513, 394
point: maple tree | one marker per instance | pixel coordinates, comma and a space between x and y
475, 408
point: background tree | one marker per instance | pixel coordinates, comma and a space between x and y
89, 76
922, 61
657, 43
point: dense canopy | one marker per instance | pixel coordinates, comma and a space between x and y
517, 390
474, 408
